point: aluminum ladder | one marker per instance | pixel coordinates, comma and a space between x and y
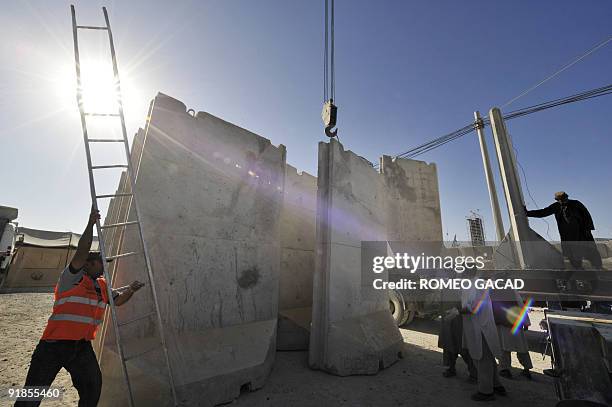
89, 142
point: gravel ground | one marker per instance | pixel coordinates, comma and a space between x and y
415, 380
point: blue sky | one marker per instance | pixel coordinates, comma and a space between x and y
406, 72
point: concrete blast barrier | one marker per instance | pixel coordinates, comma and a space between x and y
412, 200
297, 240
210, 196
353, 331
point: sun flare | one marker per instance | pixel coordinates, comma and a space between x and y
98, 87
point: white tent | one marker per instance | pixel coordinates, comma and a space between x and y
39, 258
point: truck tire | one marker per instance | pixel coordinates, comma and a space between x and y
397, 307
409, 317
409, 311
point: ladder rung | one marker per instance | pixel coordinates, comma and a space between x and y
113, 195
97, 167
115, 225
142, 353
102, 114
91, 27
105, 140
136, 319
119, 256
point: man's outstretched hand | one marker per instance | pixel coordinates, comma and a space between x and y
94, 216
126, 293
136, 285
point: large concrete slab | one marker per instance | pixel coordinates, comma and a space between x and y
297, 240
210, 196
353, 331
412, 201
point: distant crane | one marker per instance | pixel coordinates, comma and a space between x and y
476, 229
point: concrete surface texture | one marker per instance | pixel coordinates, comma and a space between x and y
413, 200
210, 196
538, 252
352, 329
519, 225
297, 240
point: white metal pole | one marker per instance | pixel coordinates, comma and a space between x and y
486, 162
512, 188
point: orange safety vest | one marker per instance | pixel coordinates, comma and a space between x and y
77, 312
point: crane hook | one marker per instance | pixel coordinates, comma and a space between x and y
329, 116
330, 133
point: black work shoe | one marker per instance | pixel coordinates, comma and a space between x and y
526, 373
501, 390
449, 373
478, 396
505, 373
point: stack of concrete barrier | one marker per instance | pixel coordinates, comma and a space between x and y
210, 196
235, 236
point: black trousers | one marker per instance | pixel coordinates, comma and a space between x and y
450, 359
583, 249
77, 357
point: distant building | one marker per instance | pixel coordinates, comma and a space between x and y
476, 230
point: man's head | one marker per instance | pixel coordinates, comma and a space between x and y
561, 196
93, 265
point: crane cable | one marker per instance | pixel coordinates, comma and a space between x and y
329, 113
563, 68
423, 148
329, 69
332, 53
326, 53
528, 110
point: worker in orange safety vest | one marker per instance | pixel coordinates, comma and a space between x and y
80, 300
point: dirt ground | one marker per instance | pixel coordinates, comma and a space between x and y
22, 320
415, 380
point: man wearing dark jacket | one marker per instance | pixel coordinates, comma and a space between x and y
575, 225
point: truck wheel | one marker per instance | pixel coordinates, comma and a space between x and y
410, 311
397, 308
409, 317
